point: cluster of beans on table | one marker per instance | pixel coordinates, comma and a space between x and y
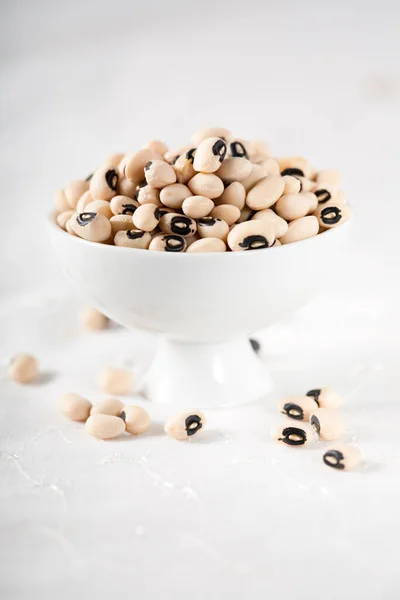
218, 193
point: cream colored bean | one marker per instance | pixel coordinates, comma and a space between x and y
234, 194
111, 406
183, 166
115, 381
293, 206
137, 420
64, 217
120, 223
313, 201
168, 243
234, 169
93, 320
23, 368
300, 229
146, 217
104, 427
185, 425
68, 226
91, 226
101, 207
207, 245
209, 155
299, 408
292, 185
83, 201
328, 177
157, 146
279, 224
135, 165
197, 207
203, 134
277, 243
171, 156
306, 185
212, 227
327, 423
206, 184
145, 194
257, 173
271, 166
173, 195
251, 235
325, 397
259, 148
343, 457
133, 238
74, 191
74, 407
266, 192
325, 192
126, 187
114, 159
178, 224
246, 215
295, 165
226, 212
123, 205
331, 215
61, 203
103, 185
122, 165
295, 436
159, 173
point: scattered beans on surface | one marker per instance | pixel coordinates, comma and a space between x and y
104, 427
137, 420
23, 368
325, 397
299, 408
297, 436
185, 425
343, 457
111, 406
93, 320
327, 423
115, 381
74, 407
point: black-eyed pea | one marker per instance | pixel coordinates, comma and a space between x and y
203, 134
271, 166
123, 205
120, 223
114, 159
74, 191
331, 215
91, 226
185, 425
133, 238
104, 427
136, 163
292, 185
211, 227
183, 166
226, 212
234, 169
111, 406
178, 224
159, 173
252, 235
145, 194
122, 165
246, 214
115, 381
83, 201
325, 192
343, 457
168, 243
295, 436
93, 320
74, 407
197, 207
313, 201
171, 156
296, 166
157, 146
328, 177
300, 229
209, 155
293, 206
277, 243
239, 149
61, 203
126, 187
103, 184
23, 368
101, 207
173, 195
207, 245
279, 224
137, 420
327, 423
63, 218
68, 225
306, 185
340, 198
257, 173
325, 397
234, 194
265, 192
259, 149
206, 184
146, 217
299, 408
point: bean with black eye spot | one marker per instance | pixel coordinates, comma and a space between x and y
168, 243
91, 226
183, 166
212, 227
136, 163
325, 192
103, 185
327, 423
293, 436
238, 149
325, 397
209, 155
343, 457
146, 217
185, 425
137, 420
289, 164
331, 215
299, 408
159, 173
145, 194
177, 223
133, 238
123, 205
292, 185
251, 235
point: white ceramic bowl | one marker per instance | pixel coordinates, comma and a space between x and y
203, 306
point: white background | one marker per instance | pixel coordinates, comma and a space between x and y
233, 516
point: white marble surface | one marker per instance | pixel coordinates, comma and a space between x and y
233, 516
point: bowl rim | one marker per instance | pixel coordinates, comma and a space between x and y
52, 223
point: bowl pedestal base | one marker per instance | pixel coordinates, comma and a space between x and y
206, 375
